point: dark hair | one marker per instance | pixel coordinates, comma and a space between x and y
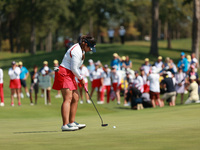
88, 38
35, 66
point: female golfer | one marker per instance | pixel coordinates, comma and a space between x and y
65, 81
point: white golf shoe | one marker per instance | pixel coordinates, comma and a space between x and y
68, 127
75, 124
89, 101
2, 104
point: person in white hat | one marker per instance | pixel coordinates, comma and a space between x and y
85, 73
168, 84
15, 84
97, 81
56, 67
65, 81
159, 63
106, 83
154, 87
180, 77
193, 90
116, 82
146, 66
122, 33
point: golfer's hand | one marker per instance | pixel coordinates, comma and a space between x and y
82, 82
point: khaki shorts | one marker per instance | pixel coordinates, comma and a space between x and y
171, 95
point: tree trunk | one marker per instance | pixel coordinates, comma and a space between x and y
32, 40
165, 31
195, 27
154, 35
41, 44
56, 39
48, 44
169, 36
11, 36
33, 32
91, 26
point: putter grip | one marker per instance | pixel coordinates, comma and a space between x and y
85, 88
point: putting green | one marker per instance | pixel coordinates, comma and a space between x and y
38, 127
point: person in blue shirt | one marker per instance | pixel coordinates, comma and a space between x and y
23, 76
116, 61
183, 63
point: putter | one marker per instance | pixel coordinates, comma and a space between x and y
102, 124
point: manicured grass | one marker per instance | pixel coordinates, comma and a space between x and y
38, 127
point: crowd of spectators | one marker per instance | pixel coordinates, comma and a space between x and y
152, 85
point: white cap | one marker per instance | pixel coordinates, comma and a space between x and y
154, 69
43, 72
169, 74
90, 61
193, 77
46, 68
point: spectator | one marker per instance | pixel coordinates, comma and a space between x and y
159, 64
167, 83
123, 64
116, 61
45, 72
134, 95
183, 62
128, 62
122, 33
146, 66
85, 73
111, 33
106, 75
1, 88
91, 66
96, 77
174, 68
23, 76
193, 90
193, 72
127, 79
116, 82
45, 64
145, 81
34, 84
154, 87
15, 84
180, 83
138, 82
194, 60
56, 66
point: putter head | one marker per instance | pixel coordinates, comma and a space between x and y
104, 125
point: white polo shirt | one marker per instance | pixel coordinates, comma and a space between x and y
73, 60
14, 74
85, 73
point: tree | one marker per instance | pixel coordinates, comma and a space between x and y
154, 34
196, 27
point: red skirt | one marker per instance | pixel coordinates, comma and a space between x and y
64, 79
15, 84
115, 87
96, 83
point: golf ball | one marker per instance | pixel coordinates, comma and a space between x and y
114, 127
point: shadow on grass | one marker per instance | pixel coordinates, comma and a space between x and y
34, 132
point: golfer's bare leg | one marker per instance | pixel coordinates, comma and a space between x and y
65, 108
74, 105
